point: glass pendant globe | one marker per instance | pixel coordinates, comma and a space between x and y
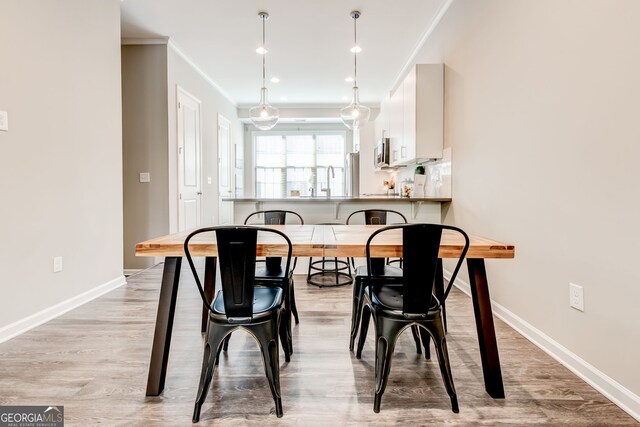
264, 116
355, 115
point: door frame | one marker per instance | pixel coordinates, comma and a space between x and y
180, 91
230, 166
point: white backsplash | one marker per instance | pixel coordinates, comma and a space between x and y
438, 176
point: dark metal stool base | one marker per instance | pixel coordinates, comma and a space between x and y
325, 277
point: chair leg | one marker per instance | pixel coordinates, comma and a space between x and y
267, 334
335, 264
285, 318
440, 343
426, 342
356, 312
416, 337
294, 308
364, 327
386, 333
211, 351
285, 339
225, 344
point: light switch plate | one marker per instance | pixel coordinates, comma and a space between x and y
57, 264
145, 177
4, 121
208, 180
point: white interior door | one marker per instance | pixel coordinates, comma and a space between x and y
225, 171
189, 166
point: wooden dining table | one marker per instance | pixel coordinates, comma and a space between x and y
318, 241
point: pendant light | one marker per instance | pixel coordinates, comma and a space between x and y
355, 115
264, 116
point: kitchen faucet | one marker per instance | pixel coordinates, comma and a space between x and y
328, 189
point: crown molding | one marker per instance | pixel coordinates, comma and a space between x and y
199, 70
423, 39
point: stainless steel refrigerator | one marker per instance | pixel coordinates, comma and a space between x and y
352, 175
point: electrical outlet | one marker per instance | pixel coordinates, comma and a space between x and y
576, 296
57, 264
4, 121
208, 180
145, 177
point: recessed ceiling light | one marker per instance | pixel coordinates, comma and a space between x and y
345, 98
348, 79
261, 50
275, 80
356, 49
283, 98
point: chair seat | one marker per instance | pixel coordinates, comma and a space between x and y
390, 298
262, 271
265, 301
389, 270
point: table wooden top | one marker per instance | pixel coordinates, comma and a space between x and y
326, 240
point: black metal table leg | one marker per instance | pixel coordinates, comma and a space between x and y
485, 327
209, 288
164, 325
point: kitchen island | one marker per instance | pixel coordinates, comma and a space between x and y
322, 209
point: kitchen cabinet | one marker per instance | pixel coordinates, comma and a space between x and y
396, 124
381, 125
423, 105
413, 116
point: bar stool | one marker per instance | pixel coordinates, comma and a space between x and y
336, 273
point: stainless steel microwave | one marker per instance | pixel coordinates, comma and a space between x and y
381, 154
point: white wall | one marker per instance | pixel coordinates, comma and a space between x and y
144, 145
182, 73
60, 162
541, 110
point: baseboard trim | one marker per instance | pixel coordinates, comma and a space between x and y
610, 388
21, 326
131, 271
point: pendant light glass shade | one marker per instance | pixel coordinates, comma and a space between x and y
264, 116
355, 115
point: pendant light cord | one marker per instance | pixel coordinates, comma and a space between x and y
355, 53
265, 51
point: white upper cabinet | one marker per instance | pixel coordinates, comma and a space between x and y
413, 117
381, 124
424, 113
396, 127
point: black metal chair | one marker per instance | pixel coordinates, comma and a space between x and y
375, 217
241, 305
378, 217
338, 269
270, 271
395, 307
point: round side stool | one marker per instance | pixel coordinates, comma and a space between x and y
329, 272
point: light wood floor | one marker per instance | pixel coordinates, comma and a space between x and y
94, 361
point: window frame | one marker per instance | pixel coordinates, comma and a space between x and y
314, 133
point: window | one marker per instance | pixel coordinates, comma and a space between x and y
288, 161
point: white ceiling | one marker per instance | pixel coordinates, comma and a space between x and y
308, 43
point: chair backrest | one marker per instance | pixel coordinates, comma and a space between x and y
376, 216
420, 248
237, 255
274, 216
